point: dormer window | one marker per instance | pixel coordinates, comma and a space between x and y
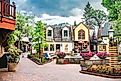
49, 33
65, 33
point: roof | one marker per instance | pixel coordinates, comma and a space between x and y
105, 29
87, 26
95, 57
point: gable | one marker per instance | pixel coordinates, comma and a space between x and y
81, 26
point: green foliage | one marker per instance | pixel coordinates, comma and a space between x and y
94, 17
12, 37
117, 25
113, 7
119, 57
39, 36
23, 24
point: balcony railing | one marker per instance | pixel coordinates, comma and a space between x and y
7, 10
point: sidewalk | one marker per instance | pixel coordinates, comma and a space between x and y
29, 71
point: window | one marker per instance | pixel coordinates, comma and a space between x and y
49, 33
45, 48
57, 46
65, 33
51, 47
81, 34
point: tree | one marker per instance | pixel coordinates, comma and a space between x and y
117, 25
88, 10
23, 26
39, 36
113, 7
94, 17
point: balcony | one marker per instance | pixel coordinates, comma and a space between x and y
7, 15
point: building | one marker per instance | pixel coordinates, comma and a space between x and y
82, 35
68, 38
103, 45
7, 22
59, 37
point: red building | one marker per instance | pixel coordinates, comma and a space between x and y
7, 22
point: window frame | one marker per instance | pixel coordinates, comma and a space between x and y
65, 35
81, 34
50, 33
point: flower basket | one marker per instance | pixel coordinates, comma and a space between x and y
86, 56
102, 55
60, 54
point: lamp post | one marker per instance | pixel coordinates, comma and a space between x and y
111, 35
112, 48
30, 39
39, 42
111, 32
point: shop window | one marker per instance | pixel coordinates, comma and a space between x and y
57, 46
81, 34
46, 48
104, 47
100, 48
66, 47
51, 47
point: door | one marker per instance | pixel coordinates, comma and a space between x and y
3, 61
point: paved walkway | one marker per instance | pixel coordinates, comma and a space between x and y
29, 71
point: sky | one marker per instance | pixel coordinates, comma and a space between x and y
56, 11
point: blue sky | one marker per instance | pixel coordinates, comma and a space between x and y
54, 9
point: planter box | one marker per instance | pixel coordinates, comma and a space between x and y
12, 67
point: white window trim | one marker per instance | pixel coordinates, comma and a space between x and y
47, 33
63, 33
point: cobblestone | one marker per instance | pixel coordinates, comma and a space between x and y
29, 71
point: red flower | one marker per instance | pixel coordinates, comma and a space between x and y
102, 55
87, 56
60, 54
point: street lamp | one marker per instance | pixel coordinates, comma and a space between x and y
30, 39
111, 32
39, 42
111, 35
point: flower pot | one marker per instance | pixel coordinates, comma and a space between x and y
12, 67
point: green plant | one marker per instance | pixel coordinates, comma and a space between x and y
13, 55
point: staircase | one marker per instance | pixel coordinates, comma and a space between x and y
113, 54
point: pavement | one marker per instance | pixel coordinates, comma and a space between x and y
29, 71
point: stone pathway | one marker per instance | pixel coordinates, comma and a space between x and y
29, 71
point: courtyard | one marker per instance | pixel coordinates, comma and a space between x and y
29, 71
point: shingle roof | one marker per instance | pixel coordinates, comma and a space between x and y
105, 29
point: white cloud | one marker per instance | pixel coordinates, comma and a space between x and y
76, 11
46, 18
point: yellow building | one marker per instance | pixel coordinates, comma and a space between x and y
81, 38
103, 44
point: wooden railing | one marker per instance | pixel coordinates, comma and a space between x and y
7, 10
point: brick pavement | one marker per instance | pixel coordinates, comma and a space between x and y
29, 71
